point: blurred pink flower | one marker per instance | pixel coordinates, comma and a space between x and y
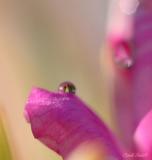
130, 39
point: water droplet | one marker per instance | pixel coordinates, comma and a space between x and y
122, 55
67, 87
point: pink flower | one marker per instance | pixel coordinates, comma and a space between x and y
62, 122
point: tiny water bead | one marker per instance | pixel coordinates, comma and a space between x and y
122, 55
67, 87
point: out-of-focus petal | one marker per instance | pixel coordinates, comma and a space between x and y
143, 136
132, 87
119, 39
63, 122
121, 89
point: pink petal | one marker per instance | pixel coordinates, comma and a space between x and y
142, 70
132, 87
143, 136
123, 107
62, 122
122, 90
119, 38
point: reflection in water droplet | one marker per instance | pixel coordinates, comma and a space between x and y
67, 87
128, 6
122, 55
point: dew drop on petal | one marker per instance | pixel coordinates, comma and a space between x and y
67, 87
122, 55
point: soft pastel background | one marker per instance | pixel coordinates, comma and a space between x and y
42, 43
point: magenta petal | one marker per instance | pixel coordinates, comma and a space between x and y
143, 136
132, 88
62, 122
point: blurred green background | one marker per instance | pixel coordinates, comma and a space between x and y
42, 43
